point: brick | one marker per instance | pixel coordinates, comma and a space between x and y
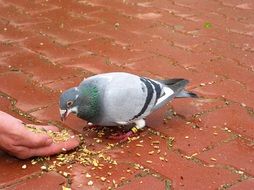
92, 63
39, 68
62, 35
108, 48
28, 7
147, 182
236, 153
233, 117
188, 108
246, 184
229, 69
118, 173
187, 138
65, 82
227, 50
18, 86
176, 38
11, 169
78, 6
47, 47
167, 68
6, 105
230, 89
183, 173
51, 180
8, 49
17, 16
11, 33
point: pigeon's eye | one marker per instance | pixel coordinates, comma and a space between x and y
69, 103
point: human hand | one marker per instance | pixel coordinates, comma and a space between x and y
18, 141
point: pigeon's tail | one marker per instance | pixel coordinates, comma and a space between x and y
178, 85
186, 94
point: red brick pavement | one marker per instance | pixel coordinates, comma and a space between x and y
48, 46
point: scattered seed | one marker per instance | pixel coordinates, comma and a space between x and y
215, 133
156, 147
213, 159
65, 188
155, 142
65, 174
243, 104
202, 84
186, 137
24, 166
240, 172
117, 25
115, 184
149, 161
151, 152
103, 179
44, 168
139, 145
138, 154
109, 173
90, 183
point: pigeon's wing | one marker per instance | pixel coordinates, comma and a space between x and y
128, 97
172, 88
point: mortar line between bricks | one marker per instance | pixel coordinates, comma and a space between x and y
87, 73
203, 163
237, 182
15, 109
193, 158
20, 180
144, 172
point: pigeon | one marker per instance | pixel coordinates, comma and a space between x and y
120, 99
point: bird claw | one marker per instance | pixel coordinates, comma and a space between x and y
122, 137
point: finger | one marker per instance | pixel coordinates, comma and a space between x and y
20, 152
35, 140
56, 148
47, 127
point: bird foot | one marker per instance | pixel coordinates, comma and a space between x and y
122, 137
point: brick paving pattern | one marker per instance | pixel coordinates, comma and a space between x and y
48, 46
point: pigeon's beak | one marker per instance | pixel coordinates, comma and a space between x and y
64, 114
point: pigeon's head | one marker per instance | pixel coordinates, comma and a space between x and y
69, 102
